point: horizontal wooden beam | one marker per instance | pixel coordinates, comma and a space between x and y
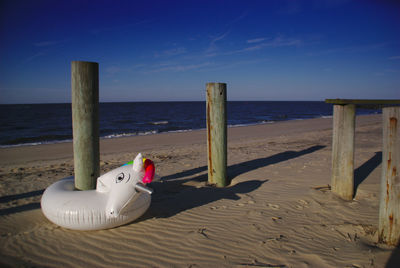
361, 101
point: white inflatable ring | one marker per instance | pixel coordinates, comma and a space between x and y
85, 210
120, 197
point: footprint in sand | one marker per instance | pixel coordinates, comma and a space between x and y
250, 202
273, 206
254, 213
301, 204
221, 207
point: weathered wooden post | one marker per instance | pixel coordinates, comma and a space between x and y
217, 134
389, 207
343, 150
85, 123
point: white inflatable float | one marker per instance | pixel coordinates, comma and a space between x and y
120, 197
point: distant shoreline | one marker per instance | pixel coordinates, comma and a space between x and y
31, 125
63, 150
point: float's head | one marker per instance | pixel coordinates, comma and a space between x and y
149, 170
121, 185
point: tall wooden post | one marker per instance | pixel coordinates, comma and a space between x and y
343, 150
389, 207
217, 134
85, 122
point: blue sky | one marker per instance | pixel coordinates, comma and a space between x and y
168, 50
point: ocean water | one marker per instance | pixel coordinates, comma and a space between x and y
32, 124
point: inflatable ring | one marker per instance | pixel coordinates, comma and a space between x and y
120, 197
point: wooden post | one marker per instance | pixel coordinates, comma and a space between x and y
343, 150
85, 122
217, 134
389, 207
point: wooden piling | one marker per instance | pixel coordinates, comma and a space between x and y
217, 134
85, 123
389, 207
343, 151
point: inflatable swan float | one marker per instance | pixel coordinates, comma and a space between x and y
120, 197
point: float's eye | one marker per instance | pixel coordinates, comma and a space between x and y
120, 177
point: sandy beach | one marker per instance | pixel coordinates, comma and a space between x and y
277, 212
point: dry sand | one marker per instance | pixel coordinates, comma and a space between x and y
278, 211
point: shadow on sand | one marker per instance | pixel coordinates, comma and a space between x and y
241, 168
172, 196
21, 208
394, 260
363, 171
8, 198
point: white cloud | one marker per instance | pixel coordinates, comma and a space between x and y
171, 52
327, 4
212, 48
387, 72
239, 18
220, 37
113, 70
354, 49
119, 27
37, 55
179, 67
394, 58
272, 43
290, 7
392, 71
48, 43
255, 40
137, 66
379, 74
223, 66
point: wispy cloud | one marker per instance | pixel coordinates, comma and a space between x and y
234, 64
118, 27
204, 66
123, 70
45, 43
48, 43
178, 67
290, 7
34, 56
352, 49
327, 4
387, 72
239, 18
278, 41
255, 40
137, 66
113, 69
394, 58
170, 52
212, 48
392, 71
